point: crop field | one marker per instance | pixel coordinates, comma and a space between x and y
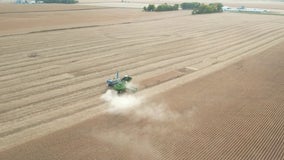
53, 78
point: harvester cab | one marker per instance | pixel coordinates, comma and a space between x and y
114, 81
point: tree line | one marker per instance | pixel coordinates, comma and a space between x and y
196, 7
162, 7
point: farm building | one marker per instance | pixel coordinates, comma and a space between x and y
244, 9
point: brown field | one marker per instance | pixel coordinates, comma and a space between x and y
26, 19
53, 72
236, 113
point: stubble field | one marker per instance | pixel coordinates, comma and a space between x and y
52, 78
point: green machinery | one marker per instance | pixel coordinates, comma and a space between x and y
120, 85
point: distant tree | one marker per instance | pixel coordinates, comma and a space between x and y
217, 6
211, 8
150, 8
144, 8
190, 6
176, 7
167, 7
162, 7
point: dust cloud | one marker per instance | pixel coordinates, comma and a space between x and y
137, 107
146, 123
120, 103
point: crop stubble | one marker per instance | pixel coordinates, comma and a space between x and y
67, 72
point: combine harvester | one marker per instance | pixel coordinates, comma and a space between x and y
121, 85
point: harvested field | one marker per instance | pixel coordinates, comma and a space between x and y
52, 79
235, 113
36, 19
